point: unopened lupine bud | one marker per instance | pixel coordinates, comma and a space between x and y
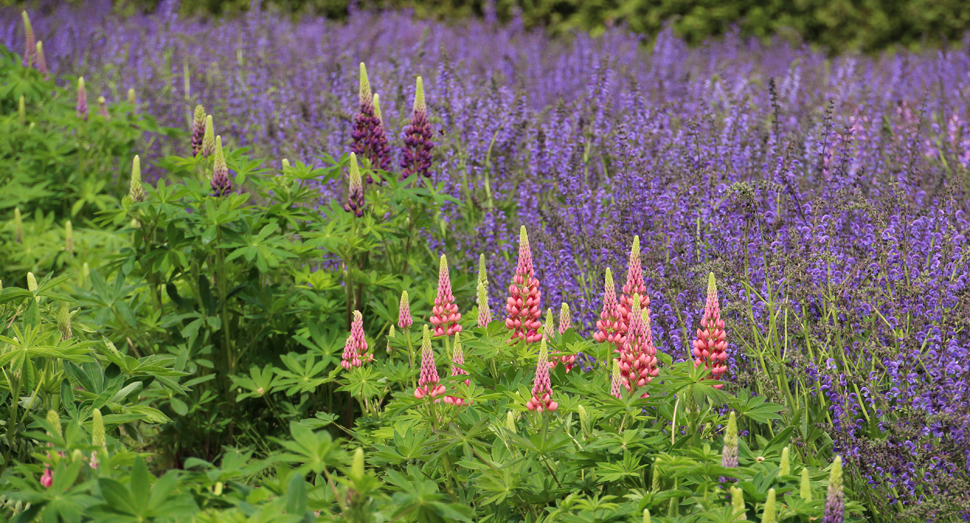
444, 314
710, 347
416, 153
784, 468
103, 108
42, 60
737, 504
82, 99
585, 422
221, 186
646, 515
68, 236
85, 274
391, 334
609, 328
510, 420
616, 380
364, 93
656, 485
565, 319
355, 194
98, 435
131, 97
208, 138
47, 479
457, 360
481, 300
357, 468
377, 108
30, 42
404, 312
835, 499
285, 164
64, 320
22, 111
549, 327
135, 190
55, 422
18, 225
806, 486
542, 387
429, 385
198, 129
729, 456
770, 512
31, 282
524, 302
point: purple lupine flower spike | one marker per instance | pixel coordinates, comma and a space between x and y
379, 150
365, 121
82, 99
835, 500
416, 153
221, 186
198, 129
355, 196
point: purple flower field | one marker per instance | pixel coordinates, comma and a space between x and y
829, 195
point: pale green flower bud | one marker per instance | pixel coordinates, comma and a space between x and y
55, 420
770, 512
806, 490
135, 190
68, 236
64, 320
31, 282
785, 468
22, 111
357, 469
98, 436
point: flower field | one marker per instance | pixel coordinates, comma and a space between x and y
265, 269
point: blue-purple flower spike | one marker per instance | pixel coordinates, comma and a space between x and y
416, 153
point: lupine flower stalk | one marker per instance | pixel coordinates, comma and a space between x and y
368, 135
444, 314
616, 380
609, 327
404, 312
64, 320
737, 504
457, 359
634, 285
355, 194
638, 359
549, 327
770, 512
565, 322
103, 108
428, 383
380, 149
68, 236
208, 138
835, 500
416, 153
542, 386
355, 350
22, 111
18, 225
135, 190
784, 468
806, 486
131, 97
646, 515
82, 99
484, 311
221, 186
42, 61
524, 301
98, 437
729, 456
30, 42
710, 347
198, 129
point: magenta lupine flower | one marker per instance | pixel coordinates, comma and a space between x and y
428, 383
634, 285
404, 312
609, 326
47, 479
221, 186
457, 359
30, 42
416, 153
355, 350
198, 129
444, 314
484, 311
42, 61
524, 301
638, 359
616, 380
710, 347
355, 195
82, 99
378, 149
542, 387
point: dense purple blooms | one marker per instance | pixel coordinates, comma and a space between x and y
416, 153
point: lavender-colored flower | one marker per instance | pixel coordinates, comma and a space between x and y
835, 500
369, 139
379, 150
82, 99
416, 153
355, 193
198, 129
221, 185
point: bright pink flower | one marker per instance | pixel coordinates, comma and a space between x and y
616, 380
404, 312
565, 322
634, 285
542, 387
457, 359
638, 359
444, 314
47, 479
428, 383
524, 301
609, 327
355, 350
710, 347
